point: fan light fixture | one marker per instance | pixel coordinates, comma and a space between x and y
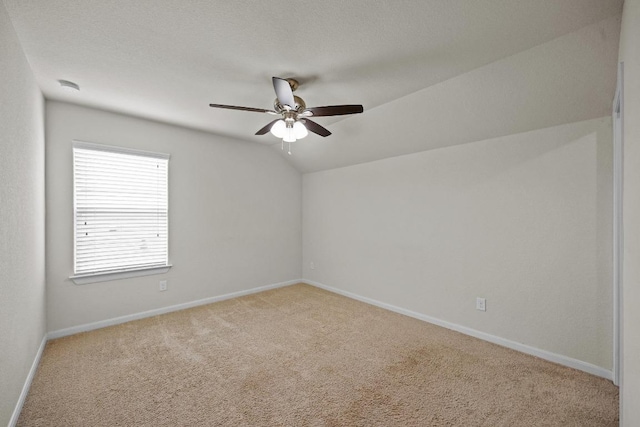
289, 131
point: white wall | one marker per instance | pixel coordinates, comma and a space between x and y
234, 216
522, 220
22, 280
630, 55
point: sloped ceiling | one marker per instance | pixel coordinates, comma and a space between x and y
429, 73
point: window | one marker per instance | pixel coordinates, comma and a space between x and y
120, 212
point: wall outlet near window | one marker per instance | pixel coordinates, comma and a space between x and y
312, 265
163, 285
481, 304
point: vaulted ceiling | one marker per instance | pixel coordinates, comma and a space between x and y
429, 73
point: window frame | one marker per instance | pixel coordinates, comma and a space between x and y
102, 276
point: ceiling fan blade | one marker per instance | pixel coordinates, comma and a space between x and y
283, 92
316, 128
334, 110
234, 107
267, 128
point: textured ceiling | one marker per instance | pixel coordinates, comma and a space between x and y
429, 73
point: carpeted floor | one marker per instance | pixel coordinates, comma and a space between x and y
301, 356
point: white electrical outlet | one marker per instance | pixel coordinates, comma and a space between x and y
312, 265
163, 285
481, 304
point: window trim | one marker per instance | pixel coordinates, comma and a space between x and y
85, 278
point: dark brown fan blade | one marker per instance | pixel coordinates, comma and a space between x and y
334, 110
316, 128
267, 128
283, 92
234, 107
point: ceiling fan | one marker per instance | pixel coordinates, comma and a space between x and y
294, 122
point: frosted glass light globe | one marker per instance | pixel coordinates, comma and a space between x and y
278, 129
299, 130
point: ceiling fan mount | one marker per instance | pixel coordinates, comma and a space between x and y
293, 83
294, 122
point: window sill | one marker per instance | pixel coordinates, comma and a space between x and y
83, 279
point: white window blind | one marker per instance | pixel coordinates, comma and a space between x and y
121, 209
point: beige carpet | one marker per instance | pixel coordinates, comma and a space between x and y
301, 356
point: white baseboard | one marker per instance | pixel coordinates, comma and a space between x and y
123, 319
27, 384
543, 354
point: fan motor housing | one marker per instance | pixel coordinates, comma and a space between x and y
300, 105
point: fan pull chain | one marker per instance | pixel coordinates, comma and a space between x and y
289, 146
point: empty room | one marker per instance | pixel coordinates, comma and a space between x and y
277, 213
